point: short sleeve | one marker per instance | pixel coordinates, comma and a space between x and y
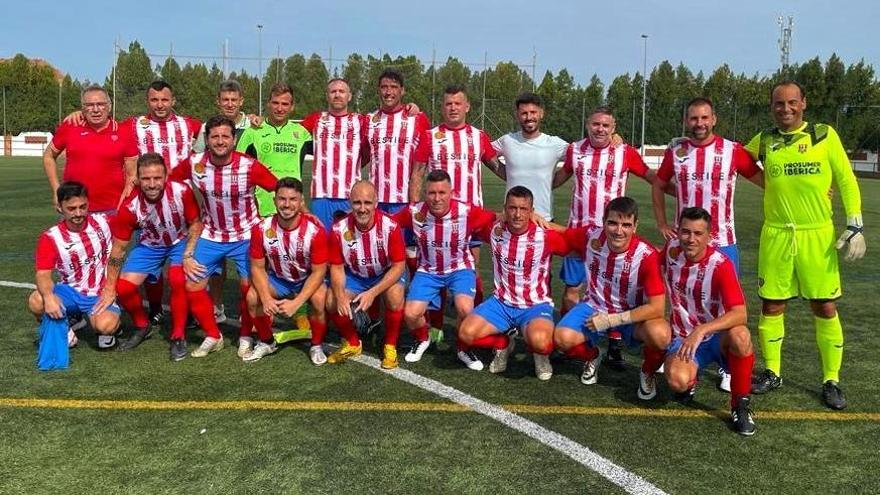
486, 145
557, 243
319, 247
403, 217
334, 254
396, 246
263, 177
191, 210
743, 162
123, 224
423, 150
46, 254
665, 172
634, 162
728, 287
59, 139
256, 250
480, 219
310, 121
568, 164
650, 277
576, 238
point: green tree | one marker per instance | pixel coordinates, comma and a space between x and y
133, 75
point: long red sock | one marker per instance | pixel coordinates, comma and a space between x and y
420, 334
346, 328
264, 327
740, 368
494, 341
393, 322
373, 311
155, 291
247, 323
177, 300
319, 331
653, 359
435, 316
130, 300
202, 308
581, 352
478, 297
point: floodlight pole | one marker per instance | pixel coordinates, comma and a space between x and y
644, 87
260, 60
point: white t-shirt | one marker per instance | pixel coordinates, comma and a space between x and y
531, 163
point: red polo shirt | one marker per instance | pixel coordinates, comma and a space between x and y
96, 159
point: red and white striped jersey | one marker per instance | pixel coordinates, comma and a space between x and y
172, 138
443, 241
289, 254
699, 292
522, 263
367, 253
461, 153
705, 176
600, 175
616, 282
393, 137
338, 141
163, 223
79, 258
230, 210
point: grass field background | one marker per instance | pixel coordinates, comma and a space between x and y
349, 447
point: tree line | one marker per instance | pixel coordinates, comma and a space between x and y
847, 97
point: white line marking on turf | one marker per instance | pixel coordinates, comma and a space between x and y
630, 482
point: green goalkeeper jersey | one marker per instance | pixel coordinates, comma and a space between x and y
281, 149
798, 169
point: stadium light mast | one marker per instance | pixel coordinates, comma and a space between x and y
644, 87
784, 39
260, 60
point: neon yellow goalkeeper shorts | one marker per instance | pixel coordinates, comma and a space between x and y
796, 262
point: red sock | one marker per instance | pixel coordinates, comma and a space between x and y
614, 335
494, 341
373, 311
177, 300
264, 327
131, 302
581, 352
247, 323
319, 331
420, 334
412, 264
202, 308
740, 368
393, 322
478, 297
346, 329
653, 359
435, 316
154, 291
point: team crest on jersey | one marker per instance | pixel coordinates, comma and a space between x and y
271, 234
421, 217
439, 135
674, 252
144, 121
114, 137
498, 232
681, 153
295, 134
376, 117
266, 147
596, 244
199, 168
718, 159
802, 148
324, 117
348, 236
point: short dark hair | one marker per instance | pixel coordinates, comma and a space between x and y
528, 99
289, 183
159, 85
603, 109
623, 205
70, 189
520, 192
393, 74
788, 82
454, 89
230, 86
339, 79
438, 175
151, 159
701, 100
695, 213
279, 89
217, 121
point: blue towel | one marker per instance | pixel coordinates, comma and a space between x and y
53, 353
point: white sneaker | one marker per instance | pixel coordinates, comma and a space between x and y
590, 375
470, 360
209, 345
245, 345
416, 351
259, 351
499, 360
647, 386
220, 313
543, 368
316, 354
724, 384
72, 340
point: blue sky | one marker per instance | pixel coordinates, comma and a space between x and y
584, 36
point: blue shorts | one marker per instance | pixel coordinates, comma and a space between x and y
576, 319
151, 260
732, 253
573, 272
392, 208
284, 288
212, 255
75, 303
708, 352
324, 208
426, 286
357, 284
504, 317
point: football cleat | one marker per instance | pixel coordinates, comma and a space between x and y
741, 417
765, 382
316, 355
500, 356
614, 358
470, 360
647, 386
590, 374
345, 352
543, 368
833, 396
139, 335
219, 313
416, 351
177, 351
209, 345
259, 351
245, 345
389, 361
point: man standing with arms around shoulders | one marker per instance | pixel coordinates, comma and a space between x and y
796, 254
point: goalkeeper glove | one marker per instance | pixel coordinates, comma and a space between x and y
853, 237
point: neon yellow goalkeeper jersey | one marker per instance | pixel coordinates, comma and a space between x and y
798, 169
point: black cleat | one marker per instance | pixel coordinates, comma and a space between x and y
157, 318
766, 382
741, 416
833, 396
178, 350
136, 338
191, 323
614, 359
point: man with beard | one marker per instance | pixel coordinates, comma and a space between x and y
230, 99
